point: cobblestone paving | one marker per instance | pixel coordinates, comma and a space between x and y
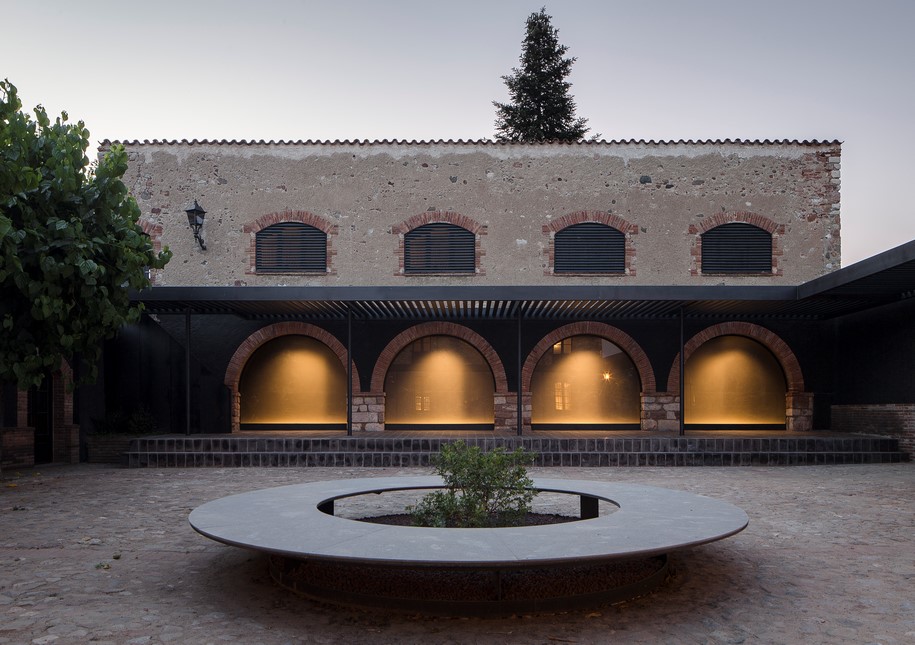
92, 554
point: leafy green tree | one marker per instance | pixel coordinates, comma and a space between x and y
70, 245
481, 488
540, 107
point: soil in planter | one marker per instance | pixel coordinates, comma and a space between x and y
531, 519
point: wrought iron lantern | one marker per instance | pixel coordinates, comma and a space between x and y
195, 216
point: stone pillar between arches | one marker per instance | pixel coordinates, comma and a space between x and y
660, 411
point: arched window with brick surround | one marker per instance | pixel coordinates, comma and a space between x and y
439, 247
589, 247
291, 247
737, 247
290, 242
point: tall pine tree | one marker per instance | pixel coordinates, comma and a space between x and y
540, 107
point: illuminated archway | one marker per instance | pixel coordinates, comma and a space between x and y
439, 381
734, 381
264, 335
585, 380
292, 382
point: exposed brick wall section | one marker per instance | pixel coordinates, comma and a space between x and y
17, 443
821, 174
895, 420
264, 221
798, 403
264, 334
431, 217
600, 217
154, 231
760, 221
660, 411
66, 433
368, 412
17, 446
617, 336
22, 408
438, 328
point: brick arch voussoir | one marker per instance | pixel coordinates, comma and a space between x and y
432, 217
769, 339
268, 333
600, 217
720, 219
438, 328
154, 231
304, 217
617, 336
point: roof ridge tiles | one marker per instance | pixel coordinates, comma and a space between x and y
463, 142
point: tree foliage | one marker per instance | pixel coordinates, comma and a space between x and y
540, 107
70, 245
481, 489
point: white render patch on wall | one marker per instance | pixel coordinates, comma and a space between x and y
662, 190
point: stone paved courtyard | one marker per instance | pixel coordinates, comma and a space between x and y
93, 554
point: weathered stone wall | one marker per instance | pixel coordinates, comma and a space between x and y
511, 194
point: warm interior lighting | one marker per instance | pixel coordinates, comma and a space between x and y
585, 379
293, 380
734, 380
439, 380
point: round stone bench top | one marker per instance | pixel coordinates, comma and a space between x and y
286, 521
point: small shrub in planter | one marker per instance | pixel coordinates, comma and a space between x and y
482, 488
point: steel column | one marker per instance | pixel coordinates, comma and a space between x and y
187, 371
520, 425
349, 371
682, 378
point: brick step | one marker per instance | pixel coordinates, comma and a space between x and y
400, 452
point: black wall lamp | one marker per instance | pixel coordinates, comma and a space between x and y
195, 220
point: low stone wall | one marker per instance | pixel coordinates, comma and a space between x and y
17, 447
895, 420
108, 449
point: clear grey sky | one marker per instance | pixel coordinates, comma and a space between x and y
424, 69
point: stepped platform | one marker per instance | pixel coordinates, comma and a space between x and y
572, 448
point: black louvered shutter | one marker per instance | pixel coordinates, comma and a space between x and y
737, 248
291, 247
439, 248
589, 248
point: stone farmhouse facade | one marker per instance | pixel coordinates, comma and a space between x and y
393, 285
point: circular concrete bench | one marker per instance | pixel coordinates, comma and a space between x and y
483, 570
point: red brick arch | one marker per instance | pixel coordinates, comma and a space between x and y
268, 333
304, 217
771, 341
438, 328
628, 229
617, 336
448, 217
